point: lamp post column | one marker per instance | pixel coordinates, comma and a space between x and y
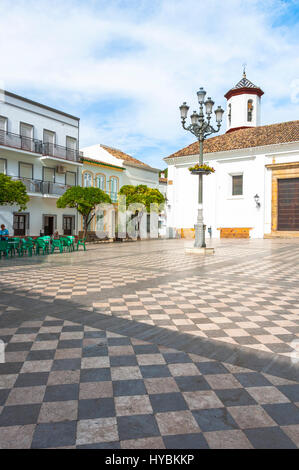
200, 127
199, 241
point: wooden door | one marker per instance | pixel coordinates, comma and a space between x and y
67, 225
19, 225
288, 204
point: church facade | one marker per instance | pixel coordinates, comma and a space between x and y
254, 191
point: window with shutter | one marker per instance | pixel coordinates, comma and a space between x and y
237, 185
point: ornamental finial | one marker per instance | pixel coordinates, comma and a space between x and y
244, 70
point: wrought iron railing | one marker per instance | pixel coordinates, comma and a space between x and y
58, 151
43, 187
20, 142
9, 139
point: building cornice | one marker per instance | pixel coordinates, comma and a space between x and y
103, 165
266, 149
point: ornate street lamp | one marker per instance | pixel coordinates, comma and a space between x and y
200, 127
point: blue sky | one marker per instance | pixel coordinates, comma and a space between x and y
124, 66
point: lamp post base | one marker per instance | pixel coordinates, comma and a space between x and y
199, 241
200, 251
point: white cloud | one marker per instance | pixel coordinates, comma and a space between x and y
66, 52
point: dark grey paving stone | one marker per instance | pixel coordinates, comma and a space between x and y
27, 330
214, 419
29, 379
162, 402
53, 323
3, 395
19, 415
154, 371
15, 347
117, 361
207, 368
280, 348
252, 379
146, 349
128, 388
102, 445
290, 391
138, 426
192, 383
67, 364
185, 441
283, 414
94, 334
69, 344
95, 350
269, 438
235, 397
47, 336
39, 355
119, 341
71, 328
54, 435
10, 368
95, 375
63, 392
96, 408
176, 358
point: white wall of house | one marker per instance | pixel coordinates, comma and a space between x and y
221, 208
19, 110
238, 111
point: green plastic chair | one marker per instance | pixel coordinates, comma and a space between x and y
41, 245
71, 238
81, 242
26, 246
13, 245
4, 248
66, 243
56, 244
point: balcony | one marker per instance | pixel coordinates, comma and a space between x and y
64, 153
42, 187
17, 141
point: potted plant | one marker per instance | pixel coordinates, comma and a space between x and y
202, 169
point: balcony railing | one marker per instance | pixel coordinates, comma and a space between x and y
37, 146
43, 187
20, 142
65, 153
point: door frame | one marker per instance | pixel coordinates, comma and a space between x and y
281, 171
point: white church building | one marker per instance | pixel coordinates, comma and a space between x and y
254, 191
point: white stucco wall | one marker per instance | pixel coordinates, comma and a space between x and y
239, 111
221, 209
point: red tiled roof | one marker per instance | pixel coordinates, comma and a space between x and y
124, 156
245, 138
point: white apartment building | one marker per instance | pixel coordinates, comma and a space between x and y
39, 145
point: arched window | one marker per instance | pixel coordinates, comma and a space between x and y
101, 182
249, 110
229, 114
87, 180
113, 188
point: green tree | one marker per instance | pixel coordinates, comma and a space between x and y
13, 193
85, 200
165, 173
141, 195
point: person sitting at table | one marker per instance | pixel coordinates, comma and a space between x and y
56, 236
4, 233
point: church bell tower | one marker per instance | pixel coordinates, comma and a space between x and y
243, 105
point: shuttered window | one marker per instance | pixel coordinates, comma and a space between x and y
237, 185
